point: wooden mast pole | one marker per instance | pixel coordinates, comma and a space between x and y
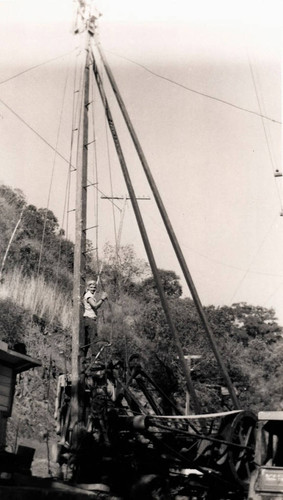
78, 337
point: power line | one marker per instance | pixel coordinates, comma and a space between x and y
219, 262
110, 176
252, 259
73, 130
95, 171
48, 144
195, 91
34, 131
272, 164
52, 178
36, 66
265, 129
273, 293
231, 266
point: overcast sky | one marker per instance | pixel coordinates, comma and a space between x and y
212, 156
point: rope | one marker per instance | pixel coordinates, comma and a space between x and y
78, 120
34, 131
273, 293
67, 195
219, 262
99, 275
272, 162
253, 258
206, 437
95, 174
110, 175
36, 66
111, 315
52, 173
50, 185
74, 111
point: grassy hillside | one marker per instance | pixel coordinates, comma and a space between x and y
30, 313
37, 296
36, 309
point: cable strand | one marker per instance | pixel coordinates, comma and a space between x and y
203, 94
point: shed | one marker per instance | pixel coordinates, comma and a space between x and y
11, 363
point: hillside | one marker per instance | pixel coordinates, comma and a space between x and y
35, 306
36, 309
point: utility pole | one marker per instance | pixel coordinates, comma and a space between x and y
78, 338
125, 199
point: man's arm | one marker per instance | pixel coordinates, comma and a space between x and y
95, 305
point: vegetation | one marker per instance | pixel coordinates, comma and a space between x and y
35, 306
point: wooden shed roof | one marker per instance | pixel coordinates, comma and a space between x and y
19, 362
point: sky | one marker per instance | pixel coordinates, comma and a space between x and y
195, 77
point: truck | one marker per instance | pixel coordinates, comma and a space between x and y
266, 482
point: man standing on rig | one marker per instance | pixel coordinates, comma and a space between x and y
91, 306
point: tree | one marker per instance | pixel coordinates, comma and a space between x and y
12, 322
39, 222
14, 197
147, 289
29, 256
38, 240
49, 221
32, 224
122, 271
256, 322
252, 361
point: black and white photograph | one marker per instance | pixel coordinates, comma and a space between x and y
141, 250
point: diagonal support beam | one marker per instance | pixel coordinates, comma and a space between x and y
170, 232
145, 239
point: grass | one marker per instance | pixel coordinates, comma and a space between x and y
38, 297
